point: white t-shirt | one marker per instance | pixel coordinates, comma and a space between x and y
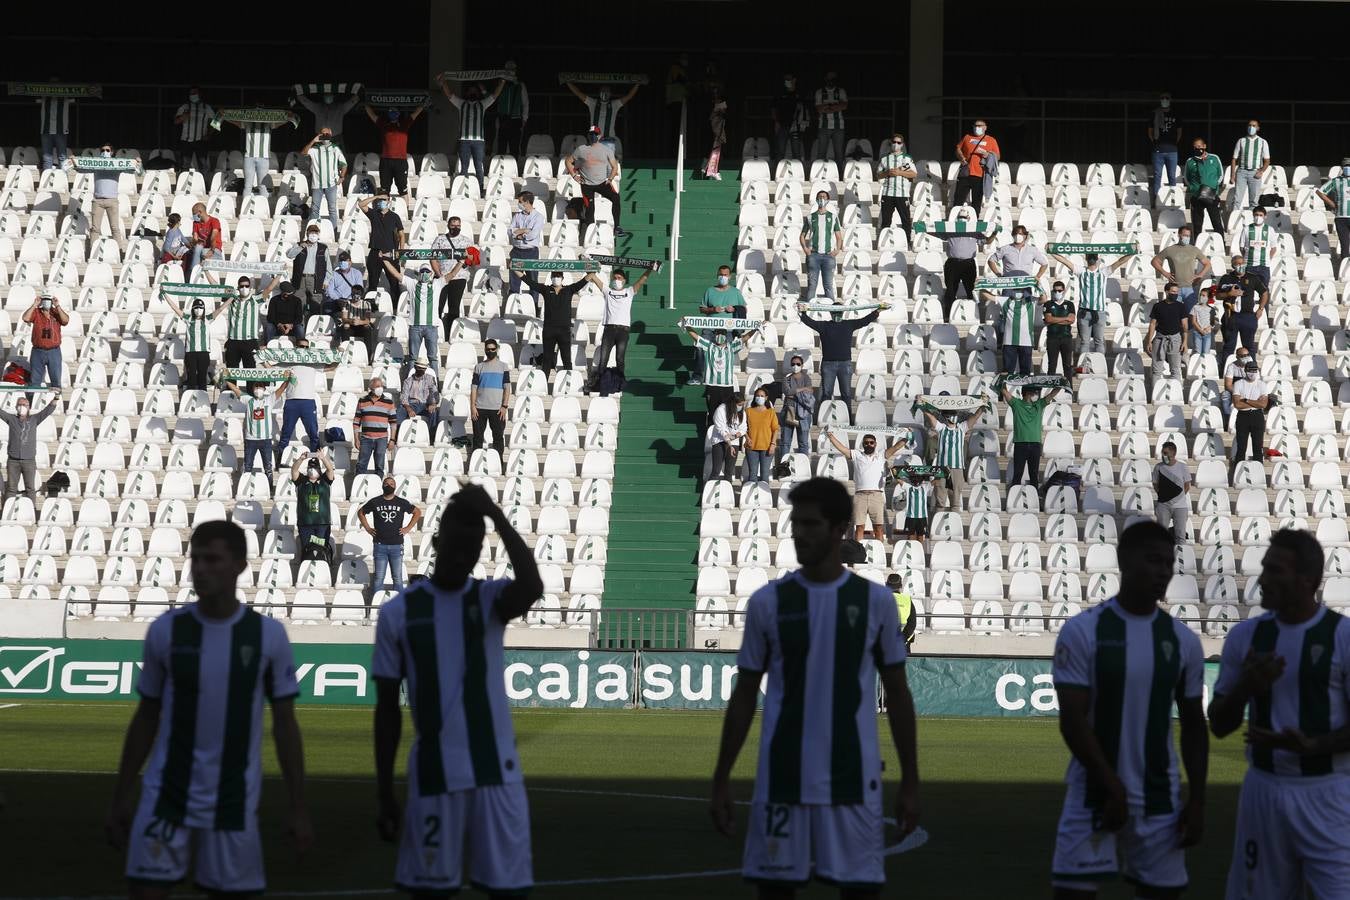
1178, 474
869, 471
304, 384
618, 307
1249, 390
458, 242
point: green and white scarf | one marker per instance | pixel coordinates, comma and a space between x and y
386, 99
974, 229
603, 77
909, 473
474, 74
54, 91
1017, 383
179, 289
841, 307
555, 265
299, 356
424, 254
111, 164
1008, 283
628, 262
1073, 247
24, 389
960, 408
713, 323
340, 88
255, 114
242, 267
899, 432
238, 375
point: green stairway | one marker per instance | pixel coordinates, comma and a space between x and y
654, 517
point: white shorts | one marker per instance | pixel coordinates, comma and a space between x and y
843, 845
159, 852
1145, 850
1292, 834
489, 825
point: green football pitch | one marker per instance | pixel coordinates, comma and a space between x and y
614, 796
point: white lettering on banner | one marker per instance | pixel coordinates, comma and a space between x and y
336, 675
514, 669
656, 683
580, 701
98, 677
612, 685
553, 682
1043, 698
687, 690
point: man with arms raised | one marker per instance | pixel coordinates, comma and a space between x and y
821, 634
1287, 670
207, 667
1118, 668
466, 794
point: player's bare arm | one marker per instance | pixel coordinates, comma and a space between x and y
1195, 757
527, 586
388, 732
291, 758
735, 727
1075, 726
135, 750
1259, 672
904, 732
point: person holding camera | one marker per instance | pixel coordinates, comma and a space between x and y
387, 237
313, 493
44, 362
1204, 173
327, 170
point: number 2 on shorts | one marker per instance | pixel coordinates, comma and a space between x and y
431, 833
776, 820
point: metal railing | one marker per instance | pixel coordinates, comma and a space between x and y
679, 190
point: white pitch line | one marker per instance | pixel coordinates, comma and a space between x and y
9, 705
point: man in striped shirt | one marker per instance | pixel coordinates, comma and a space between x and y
257, 154
208, 668
822, 635
374, 418
831, 101
424, 292
513, 111
1091, 313
897, 173
54, 129
259, 424
917, 490
243, 318
1288, 671
472, 108
443, 637
719, 368
327, 171
1335, 193
603, 109
193, 116
821, 239
1257, 244
1251, 159
951, 454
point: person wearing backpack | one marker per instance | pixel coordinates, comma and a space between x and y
313, 492
1172, 487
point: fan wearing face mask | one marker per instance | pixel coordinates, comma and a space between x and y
869, 481
394, 126
106, 202
790, 121
761, 437
1335, 195
473, 107
1017, 313
193, 119
387, 237
22, 425
47, 318
196, 342
328, 105
388, 512
1172, 488
1251, 161
205, 243
959, 269
260, 403
1184, 265
821, 239
513, 114
311, 261
175, 246
1204, 183
1251, 399
373, 427
897, 173
1164, 134
1059, 315
490, 398
424, 292
556, 297
341, 284
313, 475
831, 101
1245, 297
1258, 243
1028, 411
722, 300
721, 352
1092, 278
979, 154
257, 152
327, 173
603, 108
526, 233
799, 407
615, 323
244, 312
596, 168
455, 272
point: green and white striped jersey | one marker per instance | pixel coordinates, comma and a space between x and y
326, 160
471, 116
916, 500
210, 677
894, 185
257, 140
1019, 322
1133, 667
1092, 289
198, 338
819, 229
1313, 694
258, 418
820, 646
447, 645
423, 298
1251, 152
830, 120
951, 448
720, 368
1257, 243
1338, 189
241, 317
604, 113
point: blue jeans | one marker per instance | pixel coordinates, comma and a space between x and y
803, 430
329, 194
1016, 360
54, 150
1189, 297
758, 465
840, 371
388, 557
255, 175
472, 150
430, 414
1246, 327
1202, 343
419, 334
259, 448
1163, 156
44, 367
1091, 331
819, 266
305, 411
376, 446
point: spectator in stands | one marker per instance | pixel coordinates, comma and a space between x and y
1251, 159
389, 529
257, 154
725, 435
836, 350
722, 300
717, 123
1257, 243
1202, 322
1021, 257
513, 112
951, 454
917, 491
194, 116
904, 606
1248, 295
330, 114
473, 107
196, 342
106, 204
677, 95
1188, 266
615, 322
175, 246
761, 437
897, 173
604, 113
357, 318
799, 408
527, 234
596, 169
54, 128
1167, 332
821, 240
458, 279
327, 171
790, 121
1233, 374
1027, 412
489, 398
341, 284
374, 416
959, 267
556, 299
313, 492
421, 395
301, 406
387, 237
47, 318
1059, 315
1091, 310
1172, 489
243, 318
979, 154
869, 482
205, 243
1335, 193
1251, 398
259, 426
1204, 175
22, 425
311, 262
831, 101
720, 353
285, 316
1016, 329
393, 149
1164, 133
425, 290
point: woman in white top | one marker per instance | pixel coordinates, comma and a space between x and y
725, 433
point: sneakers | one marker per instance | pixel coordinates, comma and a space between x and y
620, 232
716, 176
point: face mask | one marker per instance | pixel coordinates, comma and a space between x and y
787, 85
1058, 295
313, 474
604, 96
491, 352
1172, 298
1184, 240
393, 115
1258, 219
759, 401
1251, 376
1198, 152
420, 371
380, 205
520, 208
106, 154
616, 284
454, 231
245, 292
258, 392
327, 98
46, 304
1251, 130
723, 280
897, 146
343, 265
979, 131
1167, 458
821, 201
193, 98
312, 237
796, 367
424, 277
198, 313
557, 283
196, 217
23, 412
1239, 269
1019, 238
389, 490
869, 449
592, 138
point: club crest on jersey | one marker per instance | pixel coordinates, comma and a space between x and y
1168, 648
1315, 653
852, 612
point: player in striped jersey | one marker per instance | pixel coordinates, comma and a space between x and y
821, 635
1118, 668
472, 116
1092, 280
1289, 671
327, 172
208, 666
257, 153
443, 636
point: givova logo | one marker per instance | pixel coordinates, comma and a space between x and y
28, 670
39, 670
